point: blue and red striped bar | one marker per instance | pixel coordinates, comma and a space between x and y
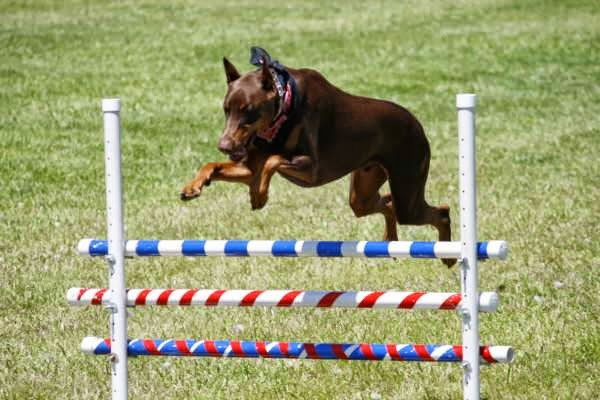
496, 249
313, 351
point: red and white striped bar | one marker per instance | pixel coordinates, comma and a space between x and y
297, 350
488, 301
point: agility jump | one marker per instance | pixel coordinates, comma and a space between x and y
469, 302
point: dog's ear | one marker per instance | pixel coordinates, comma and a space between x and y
266, 78
230, 71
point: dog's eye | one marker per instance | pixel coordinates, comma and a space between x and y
226, 110
250, 116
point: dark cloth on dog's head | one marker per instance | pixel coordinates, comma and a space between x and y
258, 54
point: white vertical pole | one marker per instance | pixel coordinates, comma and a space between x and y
116, 241
465, 103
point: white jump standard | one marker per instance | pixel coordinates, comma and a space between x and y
469, 302
115, 257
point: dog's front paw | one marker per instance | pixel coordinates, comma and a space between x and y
191, 190
258, 200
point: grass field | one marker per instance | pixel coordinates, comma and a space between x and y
536, 68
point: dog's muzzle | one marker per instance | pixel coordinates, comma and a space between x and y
235, 153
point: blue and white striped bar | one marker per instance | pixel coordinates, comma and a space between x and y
494, 249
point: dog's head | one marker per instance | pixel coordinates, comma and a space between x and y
249, 106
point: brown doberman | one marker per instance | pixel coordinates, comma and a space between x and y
294, 122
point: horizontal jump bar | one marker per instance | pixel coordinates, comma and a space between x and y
497, 249
488, 301
314, 351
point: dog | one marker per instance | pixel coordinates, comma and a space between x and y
296, 123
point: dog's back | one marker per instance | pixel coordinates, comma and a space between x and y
368, 128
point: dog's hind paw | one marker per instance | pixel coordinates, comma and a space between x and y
449, 262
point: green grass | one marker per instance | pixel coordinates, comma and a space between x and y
534, 65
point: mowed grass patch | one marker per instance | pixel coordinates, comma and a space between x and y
533, 65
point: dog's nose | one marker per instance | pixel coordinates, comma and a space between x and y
225, 145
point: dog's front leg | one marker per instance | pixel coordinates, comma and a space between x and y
221, 171
259, 186
300, 168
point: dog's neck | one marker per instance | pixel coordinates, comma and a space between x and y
287, 97
285, 86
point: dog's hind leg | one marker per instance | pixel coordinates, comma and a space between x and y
365, 198
440, 218
408, 195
